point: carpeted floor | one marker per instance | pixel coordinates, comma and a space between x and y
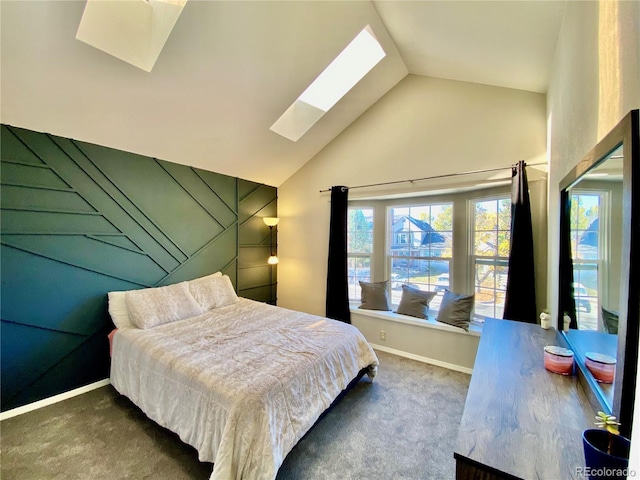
403, 426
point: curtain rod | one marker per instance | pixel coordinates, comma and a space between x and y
437, 176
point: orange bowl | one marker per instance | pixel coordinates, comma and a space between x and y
558, 360
602, 367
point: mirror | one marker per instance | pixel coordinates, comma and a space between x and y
595, 229
599, 284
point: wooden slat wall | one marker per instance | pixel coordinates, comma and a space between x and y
79, 220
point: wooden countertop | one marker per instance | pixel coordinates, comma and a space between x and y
520, 420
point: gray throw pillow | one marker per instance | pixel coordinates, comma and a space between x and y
610, 321
374, 296
414, 302
455, 309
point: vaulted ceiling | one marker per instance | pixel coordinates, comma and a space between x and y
229, 69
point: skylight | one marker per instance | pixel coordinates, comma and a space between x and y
134, 31
343, 73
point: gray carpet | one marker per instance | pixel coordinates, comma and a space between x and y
403, 426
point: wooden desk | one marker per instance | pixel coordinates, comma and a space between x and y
520, 420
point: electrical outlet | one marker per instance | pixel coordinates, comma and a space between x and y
383, 335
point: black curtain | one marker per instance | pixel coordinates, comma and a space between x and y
520, 298
337, 289
567, 300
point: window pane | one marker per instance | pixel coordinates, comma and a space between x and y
360, 242
504, 214
360, 230
485, 276
441, 217
484, 301
359, 269
422, 230
574, 243
420, 242
574, 212
485, 243
586, 248
359, 249
587, 226
398, 213
491, 235
426, 275
502, 269
585, 293
486, 215
504, 243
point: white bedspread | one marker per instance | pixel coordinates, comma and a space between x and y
241, 383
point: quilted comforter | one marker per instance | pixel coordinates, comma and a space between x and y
241, 383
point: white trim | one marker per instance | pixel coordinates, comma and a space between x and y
474, 328
420, 358
55, 399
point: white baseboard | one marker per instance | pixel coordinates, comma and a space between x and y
55, 399
420, 358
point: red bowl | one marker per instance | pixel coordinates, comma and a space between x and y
558, 360
602, 367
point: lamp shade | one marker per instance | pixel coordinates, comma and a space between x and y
271, 221
273, 260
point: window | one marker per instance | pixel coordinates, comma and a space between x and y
420, 248
341, 75
586, 251
402, 239
359, 249
491, 233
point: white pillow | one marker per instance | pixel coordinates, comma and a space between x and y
213, 292
213, 275
118, 310
118, 306
151, 307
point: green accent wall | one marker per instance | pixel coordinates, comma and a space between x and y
80, 220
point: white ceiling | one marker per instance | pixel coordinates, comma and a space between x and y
230, 68
504, 43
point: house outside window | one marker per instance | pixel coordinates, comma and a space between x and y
491, 232
359, 249
587, 254
413, 243
402, 239
420, 248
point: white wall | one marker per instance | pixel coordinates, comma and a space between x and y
426, 126
423, 127
595, 82
441, 345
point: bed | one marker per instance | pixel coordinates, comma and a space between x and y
239, 380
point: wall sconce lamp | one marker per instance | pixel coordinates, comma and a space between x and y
271, 222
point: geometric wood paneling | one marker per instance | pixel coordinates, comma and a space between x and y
80, 220
256, 279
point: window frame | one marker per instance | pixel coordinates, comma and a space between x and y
602, 261
390, 237
495, 259
460, 273
360, 255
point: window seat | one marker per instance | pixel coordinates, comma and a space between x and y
474, 328
425, 340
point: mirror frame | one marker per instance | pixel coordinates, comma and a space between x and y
626, 133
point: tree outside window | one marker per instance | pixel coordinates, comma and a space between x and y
359, 249
491, 244
420, 248
586, 248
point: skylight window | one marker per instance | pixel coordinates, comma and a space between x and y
133, 31
343, 73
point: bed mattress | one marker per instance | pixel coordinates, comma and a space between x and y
241, 383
